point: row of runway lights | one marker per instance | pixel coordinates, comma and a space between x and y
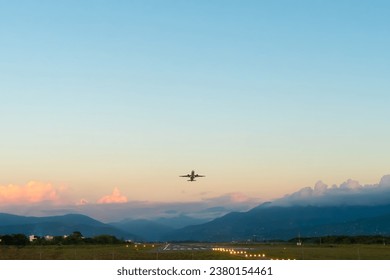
234, 252
136, 246
230, 251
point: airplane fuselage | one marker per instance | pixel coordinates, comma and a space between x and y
192, 176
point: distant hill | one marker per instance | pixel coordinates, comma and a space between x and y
267, 222
155, 230
146, 230
58, 225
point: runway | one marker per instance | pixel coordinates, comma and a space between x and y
186, 247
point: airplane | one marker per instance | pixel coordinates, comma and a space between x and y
192, 176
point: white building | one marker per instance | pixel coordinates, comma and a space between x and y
32, 238
49, 237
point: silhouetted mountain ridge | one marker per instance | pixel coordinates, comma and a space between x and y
278, 222
156, 229
57, 226
264, 222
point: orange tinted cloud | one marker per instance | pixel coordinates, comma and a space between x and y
238, 197
115, 197
32, 192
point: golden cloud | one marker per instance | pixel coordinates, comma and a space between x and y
115, 197
32, 192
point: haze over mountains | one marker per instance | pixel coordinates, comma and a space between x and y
348, 209
268, 222
265, 222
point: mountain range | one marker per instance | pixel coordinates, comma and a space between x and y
265, 222
58, 226
156, 229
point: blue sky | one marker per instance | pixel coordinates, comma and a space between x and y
264, 97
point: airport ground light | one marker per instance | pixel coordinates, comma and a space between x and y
238, 252
245, 254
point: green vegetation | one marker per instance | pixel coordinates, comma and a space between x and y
345, 239
155, 252
14, 239
326, 251
106, 247
74, 252
76, 238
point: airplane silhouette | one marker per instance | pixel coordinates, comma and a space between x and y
192, 176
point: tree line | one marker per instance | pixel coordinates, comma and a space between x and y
344, 239
72, 239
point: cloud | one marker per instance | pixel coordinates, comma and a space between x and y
32, 192
209, 208
351, 184
350, 192
232, 198
385, 181
115, 197
45, 199
108, 211
42, 199
82, 202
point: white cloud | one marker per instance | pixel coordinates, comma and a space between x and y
350, 192
351, 184
232, 198
320, 188
385, 181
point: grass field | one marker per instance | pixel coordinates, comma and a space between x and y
212, 252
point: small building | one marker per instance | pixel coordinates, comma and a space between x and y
32, 237
49, 237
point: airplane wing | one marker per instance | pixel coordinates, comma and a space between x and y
199, 175
188, 175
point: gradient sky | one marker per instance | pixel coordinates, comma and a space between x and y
115, 99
